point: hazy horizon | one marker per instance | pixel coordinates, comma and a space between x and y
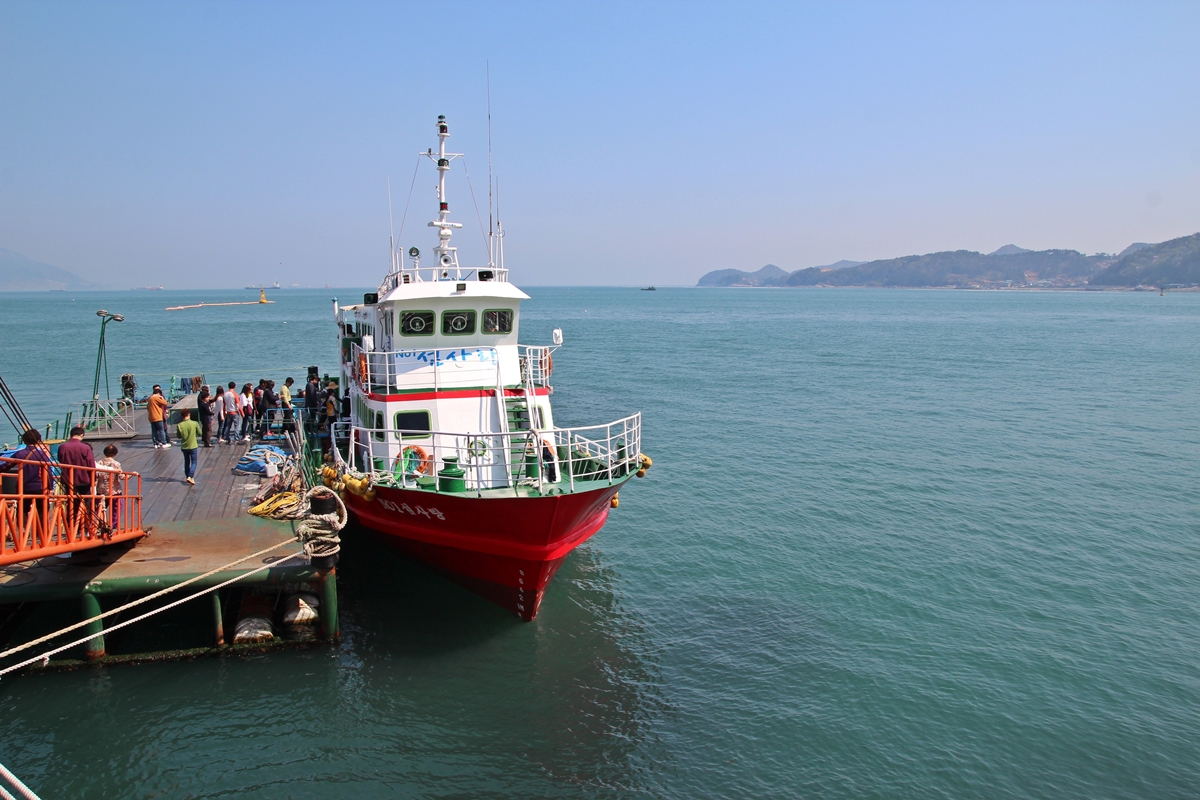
220, 146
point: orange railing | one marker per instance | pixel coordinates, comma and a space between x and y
57, 520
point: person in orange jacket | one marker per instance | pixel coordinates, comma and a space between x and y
156, 412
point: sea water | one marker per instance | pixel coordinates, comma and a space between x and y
895, 544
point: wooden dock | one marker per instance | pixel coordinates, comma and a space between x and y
193, 530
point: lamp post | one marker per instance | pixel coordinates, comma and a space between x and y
102, 357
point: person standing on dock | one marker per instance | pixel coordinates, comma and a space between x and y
312, 403
35, 473
156, 409
204, 407
189, 432
285, 400
269, 403
233, 414
75, 453
247, 398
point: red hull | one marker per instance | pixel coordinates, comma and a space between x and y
504, 548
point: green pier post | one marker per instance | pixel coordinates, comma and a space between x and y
94, 649
218, 618
329, 609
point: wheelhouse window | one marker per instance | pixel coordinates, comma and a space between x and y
458, 323
416, 323
413, 424
497, 320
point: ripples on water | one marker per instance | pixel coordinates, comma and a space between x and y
894, 544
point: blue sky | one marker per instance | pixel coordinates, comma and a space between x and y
215, 144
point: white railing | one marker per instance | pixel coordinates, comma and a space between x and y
536, 364
435, 274
101, 418
558, 459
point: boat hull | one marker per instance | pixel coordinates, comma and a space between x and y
505, 549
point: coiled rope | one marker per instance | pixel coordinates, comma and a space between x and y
318, 532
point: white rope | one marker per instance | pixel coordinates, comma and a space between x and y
145, 599
46, 656
21, 788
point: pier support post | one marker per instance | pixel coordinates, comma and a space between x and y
329, 609
218, 618
94, 649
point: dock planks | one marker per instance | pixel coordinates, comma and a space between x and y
166, 497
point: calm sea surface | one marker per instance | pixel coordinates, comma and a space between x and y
895, 544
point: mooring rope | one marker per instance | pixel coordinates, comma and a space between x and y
146, 599
318, 534
44, 657
21, 788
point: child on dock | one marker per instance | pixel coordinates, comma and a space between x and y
109, 483
189, 432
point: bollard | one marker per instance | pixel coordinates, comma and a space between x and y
218, 618
94, 649
329, 609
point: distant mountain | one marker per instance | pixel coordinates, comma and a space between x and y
770, 275
1133, 248
950, 268
20, 273
737, 277
1176, 261
1009, 250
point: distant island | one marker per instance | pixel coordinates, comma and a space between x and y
1173, 263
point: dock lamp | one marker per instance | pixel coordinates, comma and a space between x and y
101, 355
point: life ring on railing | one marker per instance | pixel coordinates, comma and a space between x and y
477, 448
546, 364
362, 369
413, 459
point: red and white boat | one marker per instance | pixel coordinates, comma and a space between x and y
451, 450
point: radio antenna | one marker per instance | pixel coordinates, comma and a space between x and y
491, 246
391, 224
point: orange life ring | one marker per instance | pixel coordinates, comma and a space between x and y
420, 460
362, 368
546, 363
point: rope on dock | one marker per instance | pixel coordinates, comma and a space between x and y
147, 599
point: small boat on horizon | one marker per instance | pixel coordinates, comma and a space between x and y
649, 289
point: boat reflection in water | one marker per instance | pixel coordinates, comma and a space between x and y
562, 701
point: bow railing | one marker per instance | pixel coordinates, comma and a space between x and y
555, 459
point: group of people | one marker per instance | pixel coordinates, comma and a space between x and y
95, 486
238, 415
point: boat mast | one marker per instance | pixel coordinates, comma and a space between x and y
447, 254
